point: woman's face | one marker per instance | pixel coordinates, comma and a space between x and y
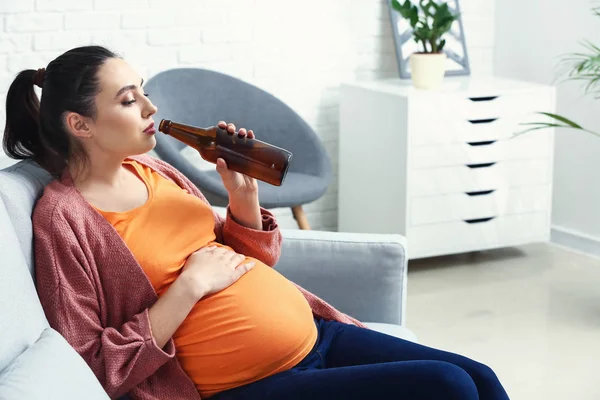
123, 113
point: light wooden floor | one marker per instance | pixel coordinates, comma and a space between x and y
530, 313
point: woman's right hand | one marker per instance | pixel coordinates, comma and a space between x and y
212, 269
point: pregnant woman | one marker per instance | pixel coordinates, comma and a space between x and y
162, 297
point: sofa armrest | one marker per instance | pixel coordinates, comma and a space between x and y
363, 275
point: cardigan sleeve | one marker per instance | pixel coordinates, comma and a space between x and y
120, 357
264, 245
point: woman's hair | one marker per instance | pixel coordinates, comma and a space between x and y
37, 130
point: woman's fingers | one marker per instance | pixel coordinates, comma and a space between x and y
207, 248
242, 269
230, 128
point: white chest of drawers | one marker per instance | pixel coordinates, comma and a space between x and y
442, 167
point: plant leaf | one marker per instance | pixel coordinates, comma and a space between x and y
442, 44
566, 123
585, 66
407, 10
562, 119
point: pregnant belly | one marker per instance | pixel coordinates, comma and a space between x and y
259, 326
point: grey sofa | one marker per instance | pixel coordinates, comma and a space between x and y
363, 275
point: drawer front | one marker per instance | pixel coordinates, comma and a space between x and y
454, 237
491, 105
498, 106
478, 205
451, 118
534, 145
479, 177
452, 130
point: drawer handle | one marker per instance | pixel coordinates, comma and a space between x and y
481, 193
478, 220
486, 143
487, 98
482, 121
486, 165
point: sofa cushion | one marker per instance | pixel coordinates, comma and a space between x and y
50, 369
21, 316
21, 185
393, 330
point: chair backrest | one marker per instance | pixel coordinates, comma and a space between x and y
201, 97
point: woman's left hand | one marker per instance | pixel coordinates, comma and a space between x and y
237, 184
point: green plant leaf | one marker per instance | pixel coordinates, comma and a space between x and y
442, 44
414, 18
562, 119
585, 67
407, 10
566, 123
425, 6
429, 19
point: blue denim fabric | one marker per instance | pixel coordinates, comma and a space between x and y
348, 362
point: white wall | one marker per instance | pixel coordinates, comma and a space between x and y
531, 36
299, 51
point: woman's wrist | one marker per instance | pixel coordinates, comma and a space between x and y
245, 210
188, 290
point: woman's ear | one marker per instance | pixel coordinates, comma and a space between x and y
78, 125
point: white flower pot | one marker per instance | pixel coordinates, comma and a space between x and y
427, 69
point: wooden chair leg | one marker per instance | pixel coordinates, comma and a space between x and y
300, 218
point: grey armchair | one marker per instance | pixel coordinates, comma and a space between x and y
202, 98
363, 275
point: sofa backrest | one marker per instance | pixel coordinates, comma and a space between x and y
21, 185
35, 361
21, 316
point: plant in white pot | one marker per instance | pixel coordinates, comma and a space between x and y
430, 21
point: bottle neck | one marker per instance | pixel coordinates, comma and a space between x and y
190, 135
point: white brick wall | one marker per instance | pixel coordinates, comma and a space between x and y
300, 53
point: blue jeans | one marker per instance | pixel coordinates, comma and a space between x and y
355, 363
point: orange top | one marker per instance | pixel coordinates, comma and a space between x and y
257, 327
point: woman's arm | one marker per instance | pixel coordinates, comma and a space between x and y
169, 312
245, 210
120, 356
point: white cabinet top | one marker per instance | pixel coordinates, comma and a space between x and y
468, 86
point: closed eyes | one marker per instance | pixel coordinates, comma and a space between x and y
130, 102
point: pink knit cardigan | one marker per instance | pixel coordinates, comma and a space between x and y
97, 296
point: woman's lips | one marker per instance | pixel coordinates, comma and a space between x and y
150, 130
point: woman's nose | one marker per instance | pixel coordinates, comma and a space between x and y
150, 109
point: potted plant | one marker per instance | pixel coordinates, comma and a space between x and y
582, 67
430, 21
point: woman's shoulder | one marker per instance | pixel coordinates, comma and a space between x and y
57, 198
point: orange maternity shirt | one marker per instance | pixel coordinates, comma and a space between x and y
257, 327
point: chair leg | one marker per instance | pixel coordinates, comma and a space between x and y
300, 217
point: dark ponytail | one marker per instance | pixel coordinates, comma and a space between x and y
21, 139
36, 130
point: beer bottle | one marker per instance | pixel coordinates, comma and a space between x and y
251, 157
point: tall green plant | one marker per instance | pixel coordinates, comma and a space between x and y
583, 66
429, 20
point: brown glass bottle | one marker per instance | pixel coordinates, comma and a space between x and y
250, 157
